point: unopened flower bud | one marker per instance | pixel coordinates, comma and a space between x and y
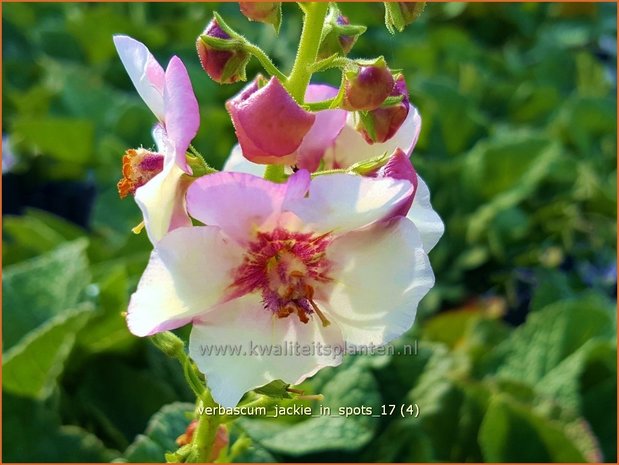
381, 124
338, 35
223, 57
367, 87
400, 14
269, 124
139, 167
264, 12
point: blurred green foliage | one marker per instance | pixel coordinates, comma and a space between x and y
518, 147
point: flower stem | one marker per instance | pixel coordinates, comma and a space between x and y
308, 49
265, 61
206, 431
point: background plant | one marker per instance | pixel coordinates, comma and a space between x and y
518, 145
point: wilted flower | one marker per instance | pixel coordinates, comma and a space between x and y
321, 261
269, 124
264, 12
223, 58
170, 97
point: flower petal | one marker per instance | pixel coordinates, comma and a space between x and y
424, 217
187, 274
269, 124
182, 115
327, 126
240, 203
162, 201
350, 147
255, 342
145, 72
381, 273
238, 163
344, 202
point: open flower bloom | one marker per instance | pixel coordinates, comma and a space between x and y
307, 264
170, 97
342, 146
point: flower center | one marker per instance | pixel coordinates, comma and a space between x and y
139, 167
287, 268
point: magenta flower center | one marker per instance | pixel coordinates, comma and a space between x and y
288, 269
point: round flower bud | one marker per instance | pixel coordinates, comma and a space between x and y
222, 57
367, 88
264, 12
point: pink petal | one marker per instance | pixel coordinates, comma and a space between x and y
241, 203
145, 73
182, 115
399, 166
327, 126
269, 124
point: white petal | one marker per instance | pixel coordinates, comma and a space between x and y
380, 273
145, 72
350, 147
344, 202
161, 199
187, 275
244, 325
237, 162
424, 217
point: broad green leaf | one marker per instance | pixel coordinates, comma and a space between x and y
33, 433
552, 334
514, 433
66, 139
37, 289
160, 436
32, 367
353, 387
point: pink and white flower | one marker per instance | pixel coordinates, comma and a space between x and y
170, 97
341, 145
323, 261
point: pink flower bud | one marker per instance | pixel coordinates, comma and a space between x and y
381, 124
399, 166
269, 124
221, 57
367, 88
264, 12
139, 167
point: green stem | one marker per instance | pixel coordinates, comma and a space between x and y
265, 61
308, 49
275, 173
204, 438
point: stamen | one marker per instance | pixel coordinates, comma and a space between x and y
138, 229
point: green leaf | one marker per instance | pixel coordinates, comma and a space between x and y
33, 433
32, 367
353, 387
161, 433
515, 433
66, 139
37, 289
552, 334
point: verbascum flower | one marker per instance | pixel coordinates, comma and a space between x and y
315, 262
157, 178
343, 146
